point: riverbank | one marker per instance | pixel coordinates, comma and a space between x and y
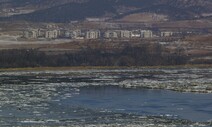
106, 67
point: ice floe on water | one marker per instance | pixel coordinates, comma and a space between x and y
33, 93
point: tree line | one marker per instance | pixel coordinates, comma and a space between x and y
129, 56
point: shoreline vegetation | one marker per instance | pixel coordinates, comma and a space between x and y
104, 67
127, 56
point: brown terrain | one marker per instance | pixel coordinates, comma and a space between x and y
186, 16
196, 44
144, 17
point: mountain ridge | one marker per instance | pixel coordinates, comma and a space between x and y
68, 10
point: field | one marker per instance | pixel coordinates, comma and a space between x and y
143, 17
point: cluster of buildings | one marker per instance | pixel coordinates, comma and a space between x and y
53, 33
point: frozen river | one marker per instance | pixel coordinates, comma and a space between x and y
93, 97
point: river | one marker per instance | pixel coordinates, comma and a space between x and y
93, 97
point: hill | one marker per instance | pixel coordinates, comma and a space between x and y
67, 10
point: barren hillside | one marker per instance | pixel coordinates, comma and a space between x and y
67, 10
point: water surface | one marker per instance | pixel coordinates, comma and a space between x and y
95, 96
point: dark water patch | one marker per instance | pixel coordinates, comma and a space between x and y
150, 102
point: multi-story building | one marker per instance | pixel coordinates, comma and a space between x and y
111, 34
146, 34
166, 34
135, 34
75, 34
125, 34
52, 34
67, 34
41, 33
31, 33
92, 34
61, 32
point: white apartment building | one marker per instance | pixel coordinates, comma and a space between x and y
92, 34
51, 34
166, 34
135, 34
146, 34
31, 33
75, 34
111, 34
125, 34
